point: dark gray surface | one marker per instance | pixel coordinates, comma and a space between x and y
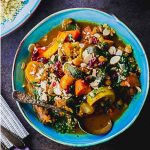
135, 14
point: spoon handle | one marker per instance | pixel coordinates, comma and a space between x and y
25, 98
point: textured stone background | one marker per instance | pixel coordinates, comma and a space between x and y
136, 15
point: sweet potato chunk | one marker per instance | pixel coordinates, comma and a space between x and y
81, 87
66, 81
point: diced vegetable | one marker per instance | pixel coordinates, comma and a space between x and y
74, 71
102, 59
124, 83
60, 102
66, 81
109, 42
32, 71
54, 47
85, 73
72, 35
108, 82
43, 114
80, 52
81, 87
93, 49
67, 49
77, 61
128, 49
98, 94
87, 30
63, 123
41, 50
69, 24
133, 80
85, 108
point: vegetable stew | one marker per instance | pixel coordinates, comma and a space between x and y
84, 68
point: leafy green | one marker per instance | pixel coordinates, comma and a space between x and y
51, 100
56, 58
50, 62
36, 95
69, 24
63, 123
103, 46
101, 75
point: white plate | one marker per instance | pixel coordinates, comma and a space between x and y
27, 10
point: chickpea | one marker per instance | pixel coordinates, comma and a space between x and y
108, 82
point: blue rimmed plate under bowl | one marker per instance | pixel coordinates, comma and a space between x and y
23, 14
92, 15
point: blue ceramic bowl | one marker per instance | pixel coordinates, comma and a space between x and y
92, 15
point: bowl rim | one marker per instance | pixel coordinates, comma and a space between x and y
108, 138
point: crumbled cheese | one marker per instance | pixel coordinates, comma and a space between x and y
41, 70
64, 92
43, 48
83, 64
57, 89
33, 65
92, 94
46, 66
88, 33
94, 73
32, 72
82, 45
52, 58
100, 28
87, 58
38, 76
43, 85
52, 77
122, 67
97, 35
85, 53
43, 97
39, 91
138, 88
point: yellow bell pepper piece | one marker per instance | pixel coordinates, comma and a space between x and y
80, 52
32, 70
54, 47
98, 94
67, 49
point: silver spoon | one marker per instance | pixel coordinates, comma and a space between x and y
96, 124
87, 124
